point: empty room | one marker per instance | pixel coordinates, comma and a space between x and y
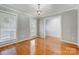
39, 29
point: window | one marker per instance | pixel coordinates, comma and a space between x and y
7, 27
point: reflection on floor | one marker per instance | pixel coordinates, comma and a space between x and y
40, 46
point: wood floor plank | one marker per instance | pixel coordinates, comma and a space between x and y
47, 46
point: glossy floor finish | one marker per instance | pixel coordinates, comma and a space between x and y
40, 46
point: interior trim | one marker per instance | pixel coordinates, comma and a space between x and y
56, 13
15, 10
71, 42
17, 41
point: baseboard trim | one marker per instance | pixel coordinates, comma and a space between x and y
62, 40
7, 44
42, 37
70, 42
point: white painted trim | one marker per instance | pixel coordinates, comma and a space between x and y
16, 42
56, 13
8, 12
7, 44
15, 10
78, 25
70, 42
63, 40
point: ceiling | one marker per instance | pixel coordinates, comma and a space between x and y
46, 9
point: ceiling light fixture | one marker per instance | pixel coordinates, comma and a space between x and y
38, 9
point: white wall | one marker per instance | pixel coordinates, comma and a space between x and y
42, 27
50, 26
23, 24
78, 27
23, 29
69, 26
53, 26
33, 27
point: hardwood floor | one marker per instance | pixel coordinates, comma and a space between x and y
40, 46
